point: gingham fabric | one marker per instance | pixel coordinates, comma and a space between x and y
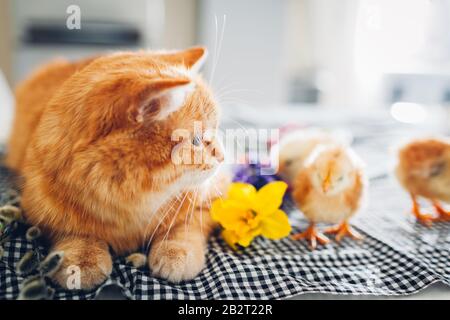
397, 256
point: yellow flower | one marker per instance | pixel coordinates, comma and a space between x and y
247, 213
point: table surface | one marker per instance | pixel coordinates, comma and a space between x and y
435, 291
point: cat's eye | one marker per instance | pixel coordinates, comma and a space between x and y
340, 178
288, 163
197, 141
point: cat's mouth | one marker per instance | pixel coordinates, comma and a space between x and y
193, 178
199, 176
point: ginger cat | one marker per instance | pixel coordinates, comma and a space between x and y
93, 142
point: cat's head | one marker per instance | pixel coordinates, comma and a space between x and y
128, 111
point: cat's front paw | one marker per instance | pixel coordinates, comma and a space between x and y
86, 264
86, 277
176, 261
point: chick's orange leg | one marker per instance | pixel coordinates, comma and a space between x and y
444, 215
312, 235
343, 230
426, 219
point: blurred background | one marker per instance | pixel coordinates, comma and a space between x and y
379, 69
347, 56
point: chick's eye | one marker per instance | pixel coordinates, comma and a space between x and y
437, 169
196, 141
340, 178
288, 163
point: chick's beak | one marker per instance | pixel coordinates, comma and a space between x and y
326, 182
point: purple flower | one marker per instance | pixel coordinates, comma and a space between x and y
251, 173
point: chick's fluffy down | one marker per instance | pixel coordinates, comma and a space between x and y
345, 199
423, 168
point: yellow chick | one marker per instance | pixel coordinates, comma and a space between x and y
423, 169
294, 149
329, 185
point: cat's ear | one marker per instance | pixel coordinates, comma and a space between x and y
192, 58
162, 97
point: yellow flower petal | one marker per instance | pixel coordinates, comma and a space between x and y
269, 198
227, 213
245, 242
276, 225
243, 193
217, 209
246, 213
242, 236
247, 238
230, 238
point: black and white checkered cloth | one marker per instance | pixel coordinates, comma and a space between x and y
397, 256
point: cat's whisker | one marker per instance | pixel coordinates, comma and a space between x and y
223, 92
149, 225
216, 39
189, 209
201, 217
219, 92
174, 218
191, 214
219, 51
209, 200
232, 100
222, 95
159, 224
218, 192
237, 122
218, 48
206, 197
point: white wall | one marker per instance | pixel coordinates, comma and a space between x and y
249, 68
268, 43
320, 42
